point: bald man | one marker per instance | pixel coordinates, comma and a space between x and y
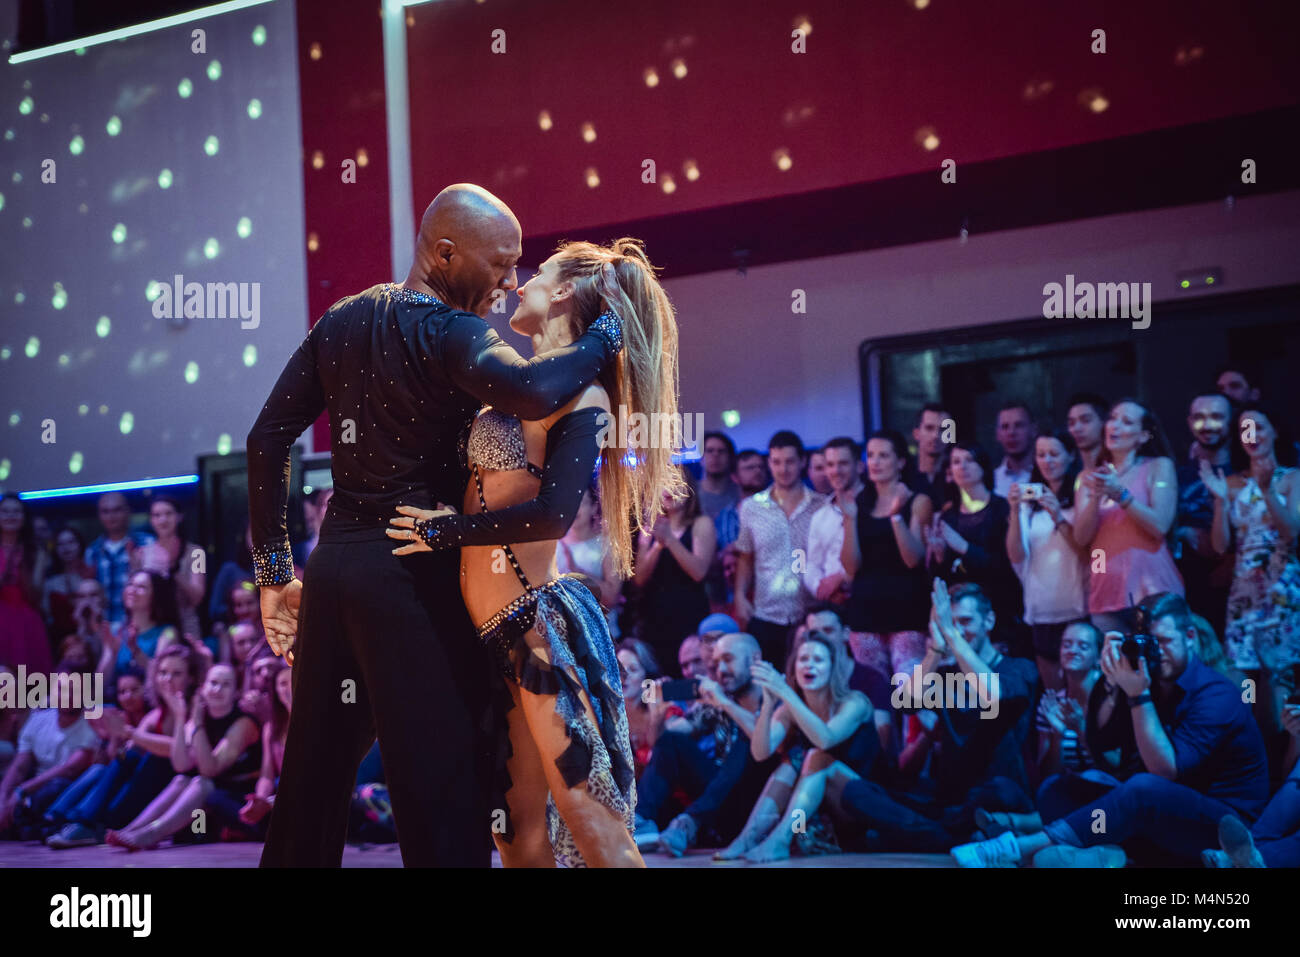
380, 644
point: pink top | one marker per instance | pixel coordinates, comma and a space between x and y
1137, 563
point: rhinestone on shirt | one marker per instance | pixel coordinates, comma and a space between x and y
610, 328
273, 564
413, 296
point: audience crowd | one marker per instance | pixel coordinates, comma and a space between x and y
1070, 647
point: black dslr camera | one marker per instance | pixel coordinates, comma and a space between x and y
1134, 647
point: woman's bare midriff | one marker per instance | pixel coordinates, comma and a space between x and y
487, 579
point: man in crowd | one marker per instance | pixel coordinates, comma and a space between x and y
773, 543
1016, 437
1206, 574
974, 704
1086, 419
825, 623
692, 658
751, 472
110, 554
719, 495
925, 476
824, 576
1200, 747
711, 764
1236, 385
817, 472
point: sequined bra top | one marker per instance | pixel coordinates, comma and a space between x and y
496, 442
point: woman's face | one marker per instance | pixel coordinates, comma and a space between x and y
11, 515
284, 688
1124, 430
242, 641
245, 605
532, 316
138, 594
67, 548
172, 675
1257, 434
964, 468
130, 694
219, 689
1052, 457
164, 519
883, 465
812, 666
264, 670
635, 674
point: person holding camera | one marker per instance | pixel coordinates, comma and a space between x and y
1202, 754
1041, 546
707, 760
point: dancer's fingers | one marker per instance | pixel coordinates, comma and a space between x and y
411, 510
402, 522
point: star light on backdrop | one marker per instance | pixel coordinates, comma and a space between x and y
163, 162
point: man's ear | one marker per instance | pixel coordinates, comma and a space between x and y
989, 621
443, 250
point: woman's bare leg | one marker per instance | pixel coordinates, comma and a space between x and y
531, 846
809, 791
175, 818
600, 835
767, 813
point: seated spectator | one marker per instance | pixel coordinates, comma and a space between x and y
1257, 513
74, 651
245, 643
111, 795
648, 716
692, 658
11, 722
256, 699
244, 607
968, 543
672, 561
1274, 841
1041, 546
171, 556
883, 555
150, 626
217, 750
251, 819
70, 571
973, 746
54, 747
1062, 712
1201, 752
826, 735
707, 758
1125, 509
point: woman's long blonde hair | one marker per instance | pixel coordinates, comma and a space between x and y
642, 380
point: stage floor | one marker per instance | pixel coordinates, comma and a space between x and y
384, 855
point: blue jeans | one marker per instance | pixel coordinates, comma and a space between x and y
676, 761
1277, 832
1177, 821
115, 792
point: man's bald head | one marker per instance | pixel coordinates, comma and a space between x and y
467, 248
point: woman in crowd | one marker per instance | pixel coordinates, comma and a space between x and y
70, 570
648, 715
142, 768
253, 814
884, 555
218, 749
258, 694
1124, 509
1040, 544
23, 640
824, 730
173, 557
1257, 512
150, 626
672, 561
583, 551
968, 542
